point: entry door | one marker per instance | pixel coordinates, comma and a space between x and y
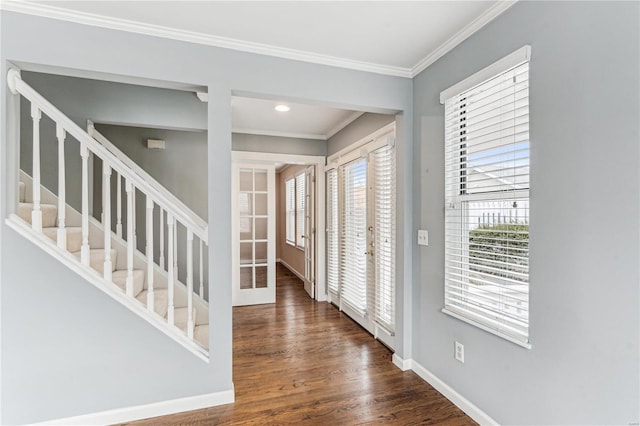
310, 232
253, 227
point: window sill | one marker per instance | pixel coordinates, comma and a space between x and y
481, 326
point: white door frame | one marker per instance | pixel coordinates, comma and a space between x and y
310, 160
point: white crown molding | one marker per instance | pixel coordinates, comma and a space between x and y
313, 136
482, 20
54, 12
344, 123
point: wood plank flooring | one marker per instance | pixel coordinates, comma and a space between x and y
300, 361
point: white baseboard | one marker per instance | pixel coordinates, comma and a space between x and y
460, 401
289, 267
402, 364
128, 414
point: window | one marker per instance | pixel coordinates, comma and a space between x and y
487, 199
300, 202
290, 197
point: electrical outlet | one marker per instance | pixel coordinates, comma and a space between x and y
459, 352
423, 237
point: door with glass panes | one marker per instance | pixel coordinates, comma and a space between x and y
361, 236
253, 227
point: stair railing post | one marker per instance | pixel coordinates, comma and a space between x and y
84, 250
149, 251
170, 273
190, 324
106, 219
175, 249
130, 237
119, 205
61, 134
36, 213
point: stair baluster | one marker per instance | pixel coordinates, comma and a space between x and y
190, 325
84, 249
106, 213
170, 271
118, 205
201, 292
61, 134
161, 258
130, 236
36, 213
149, 252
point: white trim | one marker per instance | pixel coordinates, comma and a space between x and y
481, 326
49, 246
318, 161
402, 364
203, 96
466, 32
139, 412
54, 12
511, 60
292, 269
119, 24
334, 158
452, 395
350, 119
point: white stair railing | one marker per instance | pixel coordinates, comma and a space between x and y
135, 178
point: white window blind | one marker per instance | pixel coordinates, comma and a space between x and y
300, 202
290, 197
384, 172
487, 204
353, 268
332, 231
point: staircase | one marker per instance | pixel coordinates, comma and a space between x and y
103, 252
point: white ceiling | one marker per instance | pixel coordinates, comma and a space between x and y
388, 37
258, 116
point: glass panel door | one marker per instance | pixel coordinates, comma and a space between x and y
253, 234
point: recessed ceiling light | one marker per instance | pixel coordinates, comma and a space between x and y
282, 108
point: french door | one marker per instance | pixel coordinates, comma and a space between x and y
309, 232
361, 236
253, 227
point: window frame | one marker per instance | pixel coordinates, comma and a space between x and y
490, 316
290, 196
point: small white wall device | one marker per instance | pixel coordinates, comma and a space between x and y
155, 144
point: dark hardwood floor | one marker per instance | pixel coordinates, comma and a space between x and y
300, 361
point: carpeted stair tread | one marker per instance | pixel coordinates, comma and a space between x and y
201, 334
96, 259
49, 213
161, 301
23, 192
74, 236
120, 279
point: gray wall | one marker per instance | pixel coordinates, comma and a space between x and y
361, 127
181, 168
583, 364
53, 369
278, 145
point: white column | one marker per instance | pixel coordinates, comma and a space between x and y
170, 273
149, 251
106, 218
130, 237
84, 250
62, 232
119, 205
175, 249
36, 213
190, 324
201, 293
